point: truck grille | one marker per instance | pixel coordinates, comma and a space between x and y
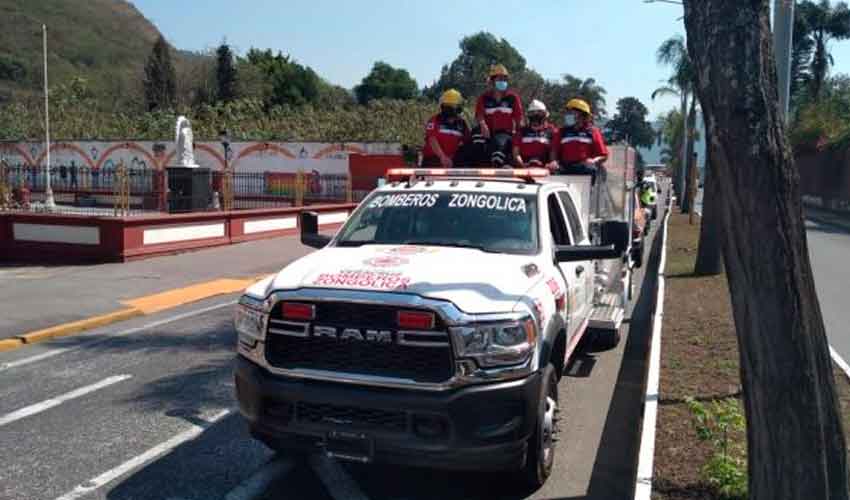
431, 361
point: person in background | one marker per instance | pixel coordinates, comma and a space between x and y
445, 132
499, 114
532, 144
579, 146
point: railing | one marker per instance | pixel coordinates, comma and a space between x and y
135, 191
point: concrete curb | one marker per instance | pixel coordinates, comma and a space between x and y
643, 481
77, 326
141, 306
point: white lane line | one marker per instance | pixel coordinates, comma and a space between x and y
643, 482
337, 482
838, 360
140, 460
255, 485
58, 400
49, 354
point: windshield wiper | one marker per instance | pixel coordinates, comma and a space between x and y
447, 244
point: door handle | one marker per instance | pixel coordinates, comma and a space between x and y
579, 270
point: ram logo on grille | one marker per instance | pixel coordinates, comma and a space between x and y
376, 336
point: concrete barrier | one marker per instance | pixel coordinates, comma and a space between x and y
80, 238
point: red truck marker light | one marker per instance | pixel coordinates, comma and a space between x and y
415, 320
294, 310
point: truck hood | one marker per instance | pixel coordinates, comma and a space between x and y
475, 281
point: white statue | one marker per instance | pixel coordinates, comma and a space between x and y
183, 138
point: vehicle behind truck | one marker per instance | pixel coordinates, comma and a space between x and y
434, 327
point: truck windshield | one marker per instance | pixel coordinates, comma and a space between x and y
492, 222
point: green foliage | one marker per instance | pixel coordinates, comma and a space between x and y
284, 81
247, 119
386, 82
225, 72
629, 123
12, 69
721, 424
160, 78
556, 94
468, 72
818, 23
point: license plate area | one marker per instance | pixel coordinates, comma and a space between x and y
350, 446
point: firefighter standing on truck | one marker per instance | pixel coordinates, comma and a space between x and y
578, 145
499, 115
533, 143
445, 132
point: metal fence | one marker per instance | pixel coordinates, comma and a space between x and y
81, 189
135, 191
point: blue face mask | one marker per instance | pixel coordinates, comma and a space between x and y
501, 85
570, 120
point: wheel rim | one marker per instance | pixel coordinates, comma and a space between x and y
549, 430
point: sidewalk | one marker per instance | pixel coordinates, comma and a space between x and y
37, 297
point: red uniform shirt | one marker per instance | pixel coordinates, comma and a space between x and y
450, 136
576, 146
535, 144
501, 115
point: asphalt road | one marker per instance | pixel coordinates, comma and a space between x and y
829, 248
145, 409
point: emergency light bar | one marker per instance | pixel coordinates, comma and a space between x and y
526, 174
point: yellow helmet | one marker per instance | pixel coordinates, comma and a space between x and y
580, 105
498, 70
451, 98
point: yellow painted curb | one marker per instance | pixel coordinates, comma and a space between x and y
10, 344
148, 304
177, 297
78, 326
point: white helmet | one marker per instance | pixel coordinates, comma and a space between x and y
537, 105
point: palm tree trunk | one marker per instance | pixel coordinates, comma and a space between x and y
690, 164
683, 161
796, 444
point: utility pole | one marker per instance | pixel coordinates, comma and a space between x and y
783, 34
49, 202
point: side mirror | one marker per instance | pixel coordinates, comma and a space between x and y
616, 234
310, 231
585, 252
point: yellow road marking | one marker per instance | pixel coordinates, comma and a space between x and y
148, 304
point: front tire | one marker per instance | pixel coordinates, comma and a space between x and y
541, 446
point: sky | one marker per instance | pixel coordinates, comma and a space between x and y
613, 41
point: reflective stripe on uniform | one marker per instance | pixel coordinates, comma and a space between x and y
586, 140
542, 140
451, 132
500, 109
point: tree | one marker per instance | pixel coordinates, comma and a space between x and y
556, 94
225, 73
160, 80
823, 23
674, 53
629, 123
284, 81
468, 72
385, 81
709, 257
795, 439
801, 57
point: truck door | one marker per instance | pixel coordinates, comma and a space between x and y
571, 272
578, 236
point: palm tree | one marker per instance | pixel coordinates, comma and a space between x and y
823, 23
556, 93
674, 53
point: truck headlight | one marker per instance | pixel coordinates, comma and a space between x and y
249, 320
496, 344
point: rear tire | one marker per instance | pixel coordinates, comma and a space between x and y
541, 446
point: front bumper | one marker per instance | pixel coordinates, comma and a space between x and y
482, 427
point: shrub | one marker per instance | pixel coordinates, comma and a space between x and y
722, 424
